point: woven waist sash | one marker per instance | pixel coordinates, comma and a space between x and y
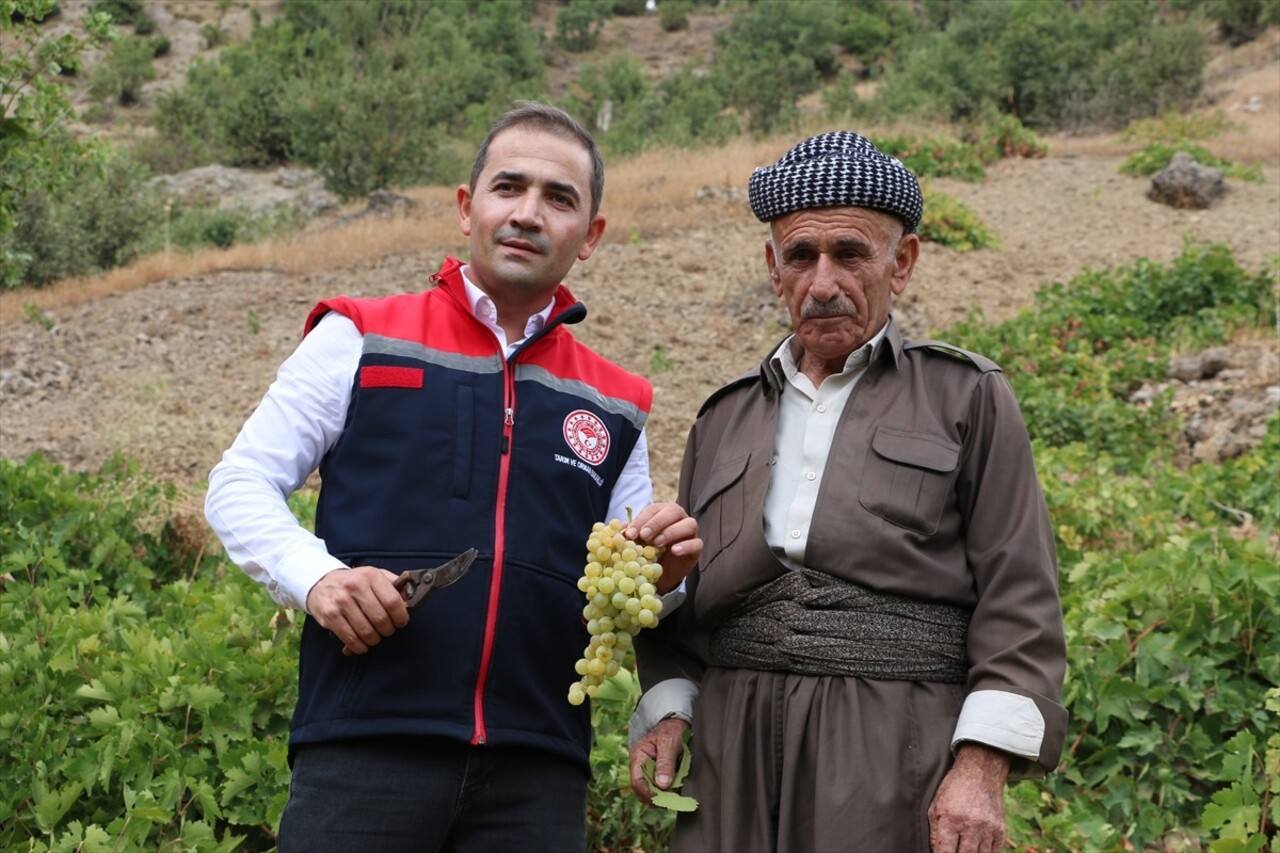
811, 623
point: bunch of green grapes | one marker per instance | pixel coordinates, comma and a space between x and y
620, 584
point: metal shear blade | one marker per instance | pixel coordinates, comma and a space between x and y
415, 585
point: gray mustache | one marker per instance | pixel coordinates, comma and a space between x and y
837, 307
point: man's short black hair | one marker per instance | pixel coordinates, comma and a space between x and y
548, 119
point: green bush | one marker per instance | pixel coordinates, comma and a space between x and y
578, 23
123, 71
673, 15
1052, 65
150, 690
1082, 348
1157, 156
94, 221
771, 54
949, 222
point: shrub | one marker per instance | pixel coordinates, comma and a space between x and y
1157, 156
949, 222
771, 54
578, 24
150, 690
95, 221
673, 15
122, 73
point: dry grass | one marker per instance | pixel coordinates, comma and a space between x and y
646, 196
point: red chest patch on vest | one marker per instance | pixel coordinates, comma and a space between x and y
587, 436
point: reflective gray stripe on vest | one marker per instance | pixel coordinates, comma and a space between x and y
383, 345
577, 388
811, 623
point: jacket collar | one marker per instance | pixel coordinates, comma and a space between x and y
566, 308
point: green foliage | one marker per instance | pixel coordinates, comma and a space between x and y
681, 111
935, 158
94, 216
616, 820
123, 71
149, 690
771, 54
37, 159
578, 23
673, 15
948, 222
1077, 354
126, 13
1049, 64
371, 94
1158, 155
1241, 21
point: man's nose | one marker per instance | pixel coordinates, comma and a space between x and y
825, 285
527, 212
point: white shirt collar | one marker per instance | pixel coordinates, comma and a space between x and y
486, 312
785, 366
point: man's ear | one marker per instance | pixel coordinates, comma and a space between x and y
905, 257
595, 232
771, 261
464, 209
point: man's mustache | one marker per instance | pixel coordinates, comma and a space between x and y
508, 233
838, 307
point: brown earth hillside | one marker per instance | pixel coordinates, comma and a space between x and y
166, 372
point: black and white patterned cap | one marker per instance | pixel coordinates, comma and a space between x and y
835, 169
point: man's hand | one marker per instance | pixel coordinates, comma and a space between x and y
668, 526
663, 743
359, 606
967, 813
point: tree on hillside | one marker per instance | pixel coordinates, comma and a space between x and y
36, 154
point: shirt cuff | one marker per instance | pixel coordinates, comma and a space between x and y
664, 700
673, 599
297, 574
1006, 721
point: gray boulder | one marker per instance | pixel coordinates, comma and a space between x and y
1186, 184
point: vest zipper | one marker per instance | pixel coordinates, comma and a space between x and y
499, 552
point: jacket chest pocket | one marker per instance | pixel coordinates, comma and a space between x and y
909, 478
719, 506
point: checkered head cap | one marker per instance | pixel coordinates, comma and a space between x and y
836, 169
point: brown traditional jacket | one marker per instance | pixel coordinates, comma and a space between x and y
929, 491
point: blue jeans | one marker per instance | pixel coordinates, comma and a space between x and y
432, 795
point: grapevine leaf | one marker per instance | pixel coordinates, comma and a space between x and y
675, 802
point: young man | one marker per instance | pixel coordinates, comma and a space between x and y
440, 421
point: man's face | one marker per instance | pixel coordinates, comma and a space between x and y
838, 269
529, 218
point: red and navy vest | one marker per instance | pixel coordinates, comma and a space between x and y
448, 445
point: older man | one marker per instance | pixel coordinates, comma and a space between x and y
872, 642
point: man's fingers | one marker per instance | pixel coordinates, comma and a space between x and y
359, 606
639, 783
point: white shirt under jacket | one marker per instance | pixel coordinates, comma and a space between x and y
299, 419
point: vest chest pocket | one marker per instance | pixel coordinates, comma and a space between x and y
909, 478
719, 506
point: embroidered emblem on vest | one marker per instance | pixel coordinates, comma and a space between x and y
587, 436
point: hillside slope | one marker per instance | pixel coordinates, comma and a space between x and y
167, 372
